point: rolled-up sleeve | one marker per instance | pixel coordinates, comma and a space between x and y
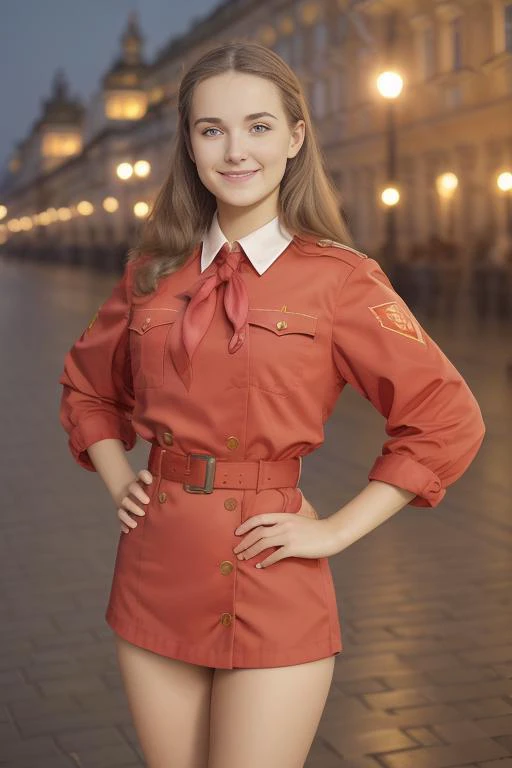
97, 398
432, 418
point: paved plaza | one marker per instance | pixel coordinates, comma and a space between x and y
425, 677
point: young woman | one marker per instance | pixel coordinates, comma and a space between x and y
226, 343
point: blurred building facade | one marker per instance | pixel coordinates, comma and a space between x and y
453, 117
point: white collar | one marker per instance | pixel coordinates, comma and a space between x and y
262, 246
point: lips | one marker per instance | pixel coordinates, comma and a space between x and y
238, 174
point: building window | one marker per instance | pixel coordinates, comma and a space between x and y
319, 42
337, 90
363, 74
297, 48
508, 27
318, 98
456, 42
453, 97
428, 62
342, 28
282, 48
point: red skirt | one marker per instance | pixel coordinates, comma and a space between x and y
180, 591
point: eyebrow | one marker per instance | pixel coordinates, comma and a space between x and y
254, 116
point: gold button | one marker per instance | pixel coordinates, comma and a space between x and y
226, 619
168, 438
281, 325
162, 496
230, 504
232, 443
226, 567
324, 243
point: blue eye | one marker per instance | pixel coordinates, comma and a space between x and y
258, 125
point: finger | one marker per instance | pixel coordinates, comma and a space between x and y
124, 528
266, 519
138, 492
261, 545
273, 558
146, 476
131, 506
125, 518
263, 532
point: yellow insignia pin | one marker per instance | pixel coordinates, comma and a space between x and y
93, 320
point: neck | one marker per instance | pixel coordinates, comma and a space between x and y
237, 222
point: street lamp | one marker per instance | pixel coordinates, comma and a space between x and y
390, 85
446, 184
110, 204
141, 209
142, 168
504, 183
124, 171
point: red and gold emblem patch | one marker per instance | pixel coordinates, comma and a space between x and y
395, 318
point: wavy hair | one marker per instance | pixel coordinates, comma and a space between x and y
308, 202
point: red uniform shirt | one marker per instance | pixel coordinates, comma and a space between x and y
320, 316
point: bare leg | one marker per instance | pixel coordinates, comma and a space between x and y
267, 717
170, 704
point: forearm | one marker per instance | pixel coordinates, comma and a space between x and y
109, 459
371, 507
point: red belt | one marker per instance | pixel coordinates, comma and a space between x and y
201, 472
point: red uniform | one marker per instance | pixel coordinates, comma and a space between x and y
319, 315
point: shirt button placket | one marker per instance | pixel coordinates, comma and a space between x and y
226, 567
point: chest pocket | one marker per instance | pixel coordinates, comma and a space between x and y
149, 328
281, 346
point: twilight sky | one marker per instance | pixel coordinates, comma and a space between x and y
81, 36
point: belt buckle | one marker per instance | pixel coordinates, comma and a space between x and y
210, 474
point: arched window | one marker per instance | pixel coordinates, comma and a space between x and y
508, 27
456, 42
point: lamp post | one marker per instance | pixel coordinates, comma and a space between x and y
389, 85
126, 172
446, 184
504, 183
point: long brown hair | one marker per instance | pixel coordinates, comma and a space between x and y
183, 210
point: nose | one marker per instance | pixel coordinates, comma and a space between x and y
235, 151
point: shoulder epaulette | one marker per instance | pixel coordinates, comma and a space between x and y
324, 243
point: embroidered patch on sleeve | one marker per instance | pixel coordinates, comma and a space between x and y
395, 318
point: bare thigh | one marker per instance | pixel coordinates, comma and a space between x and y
170, 705
267, 716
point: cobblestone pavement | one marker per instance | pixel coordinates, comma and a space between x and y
425, 677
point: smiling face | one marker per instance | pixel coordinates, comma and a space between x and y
240, 142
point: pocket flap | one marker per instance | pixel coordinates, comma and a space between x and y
283, 322
145, 318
